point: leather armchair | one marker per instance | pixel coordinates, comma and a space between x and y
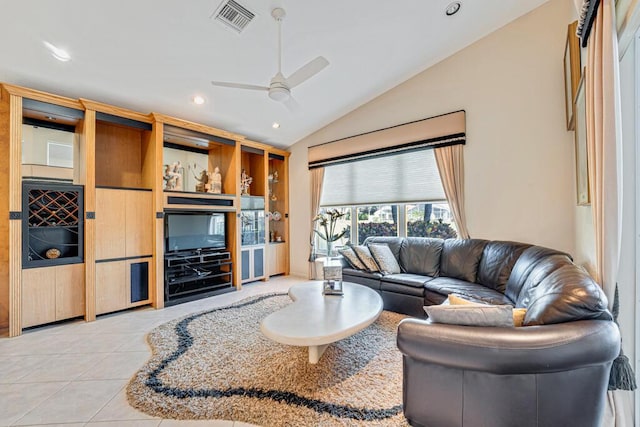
547, 375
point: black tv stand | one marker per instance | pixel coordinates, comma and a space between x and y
190, 275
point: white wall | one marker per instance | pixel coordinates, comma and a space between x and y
519, 156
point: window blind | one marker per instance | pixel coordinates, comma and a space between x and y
405, 177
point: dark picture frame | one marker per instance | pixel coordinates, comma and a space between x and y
583, 197
572, 68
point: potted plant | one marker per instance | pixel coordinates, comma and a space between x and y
326, 229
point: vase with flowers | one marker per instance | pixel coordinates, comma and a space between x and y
326, 223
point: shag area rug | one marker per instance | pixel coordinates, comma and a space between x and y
217, 365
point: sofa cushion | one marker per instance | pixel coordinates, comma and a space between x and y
523, 267
566, 294
349, 254
404, 289
370, 280
421, 255
518, 313
346, 271
394, 243
387, 263
497, 262
537, 273
407, 279
367, 259
448, 285
471, 315
460, 258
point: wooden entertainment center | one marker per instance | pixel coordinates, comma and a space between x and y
90, 239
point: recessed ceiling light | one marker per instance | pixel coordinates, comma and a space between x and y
56, 52
452, 8
275, 125
198, 100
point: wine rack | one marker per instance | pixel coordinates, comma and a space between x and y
53, 231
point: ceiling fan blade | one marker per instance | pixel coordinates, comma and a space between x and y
307, 71
292, 105
240, 86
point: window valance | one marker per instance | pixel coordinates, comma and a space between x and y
438, 131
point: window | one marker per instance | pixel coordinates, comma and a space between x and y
391, 195
429, 220
377, 220
402, 220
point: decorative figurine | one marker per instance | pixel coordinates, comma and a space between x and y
203, 184
245, 182
215, 179
173, 176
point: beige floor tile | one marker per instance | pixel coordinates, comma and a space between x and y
102, 343
241, 424
193, 423
75, 373
59, 425
137, 342
13, 368
130, 423
16, 400
118, 409
77, 402
67, 367
117, 366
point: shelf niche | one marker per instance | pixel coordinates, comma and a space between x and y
197, 151
125, 150
253, 163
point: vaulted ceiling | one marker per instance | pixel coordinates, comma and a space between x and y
155, 55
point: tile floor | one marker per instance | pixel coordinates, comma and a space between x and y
76, 373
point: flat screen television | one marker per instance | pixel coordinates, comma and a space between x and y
185, 231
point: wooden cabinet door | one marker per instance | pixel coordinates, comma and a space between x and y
139, 223
110, 223
272, 262
38, 296
111, 286
69, 291
281, 258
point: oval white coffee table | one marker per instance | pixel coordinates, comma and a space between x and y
315, 320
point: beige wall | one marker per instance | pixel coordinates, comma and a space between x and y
518, 157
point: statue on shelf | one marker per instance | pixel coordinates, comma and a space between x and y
173, 176
245, 182
215, 179
203, 180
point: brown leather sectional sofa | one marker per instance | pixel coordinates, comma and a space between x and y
553, 371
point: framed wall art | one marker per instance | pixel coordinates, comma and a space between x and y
572, 69
582, 165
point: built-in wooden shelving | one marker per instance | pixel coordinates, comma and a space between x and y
111, 206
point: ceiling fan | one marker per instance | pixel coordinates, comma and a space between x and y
279, 88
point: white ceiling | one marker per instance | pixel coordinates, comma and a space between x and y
154, 55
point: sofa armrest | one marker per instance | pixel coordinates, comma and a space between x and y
531, 349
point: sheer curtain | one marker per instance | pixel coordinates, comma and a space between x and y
604, 140
317, 179
451, 168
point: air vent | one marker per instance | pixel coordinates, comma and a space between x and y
233, 15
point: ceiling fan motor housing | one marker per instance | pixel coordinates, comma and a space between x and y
279, 92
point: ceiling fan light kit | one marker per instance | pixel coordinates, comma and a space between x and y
279, 88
